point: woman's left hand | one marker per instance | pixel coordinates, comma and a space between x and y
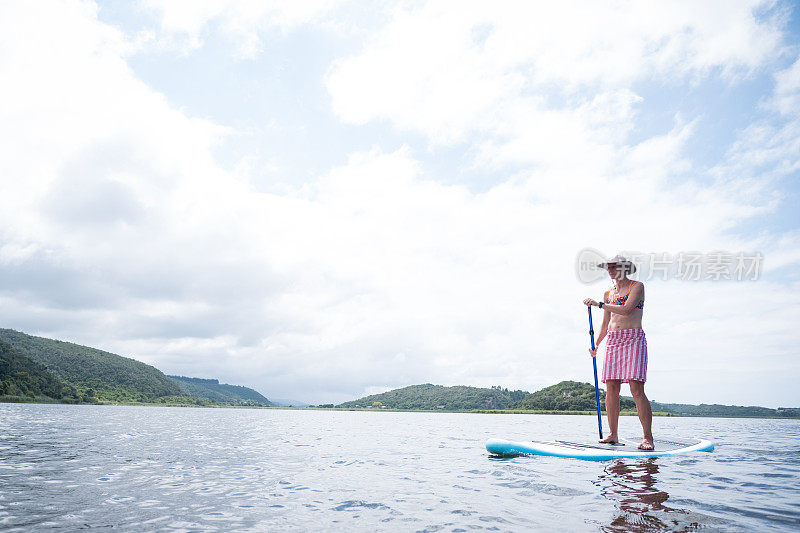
589, 301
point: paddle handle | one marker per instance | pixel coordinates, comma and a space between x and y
596, 386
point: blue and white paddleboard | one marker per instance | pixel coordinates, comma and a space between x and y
595, 451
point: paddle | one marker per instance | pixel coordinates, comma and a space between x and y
596, 387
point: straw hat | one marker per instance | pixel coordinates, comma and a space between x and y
619, 260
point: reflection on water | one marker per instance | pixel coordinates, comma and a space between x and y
632, 485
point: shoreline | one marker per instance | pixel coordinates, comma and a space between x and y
624, 412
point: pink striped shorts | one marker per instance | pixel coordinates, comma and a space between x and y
626, 356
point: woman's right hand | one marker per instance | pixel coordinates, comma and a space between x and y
593, 353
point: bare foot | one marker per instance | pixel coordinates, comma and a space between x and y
647, 444
611, 439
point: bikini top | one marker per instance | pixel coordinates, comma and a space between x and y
620, 300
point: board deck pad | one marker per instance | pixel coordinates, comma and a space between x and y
595, 451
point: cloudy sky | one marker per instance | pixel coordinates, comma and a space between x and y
323, 199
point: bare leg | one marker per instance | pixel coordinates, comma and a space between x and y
612, 409
644, 412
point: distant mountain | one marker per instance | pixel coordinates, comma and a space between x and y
568, 396
213, 390
564, 396
37, 368
32, 367
22, 377
723, 411
283, 402
430, 397
94, 373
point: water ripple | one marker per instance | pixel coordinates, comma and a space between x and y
177, 469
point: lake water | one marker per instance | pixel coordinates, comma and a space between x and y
153, 468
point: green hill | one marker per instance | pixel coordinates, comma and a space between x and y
41, 369
429, 397
93, 372
723, 411
21, 377
214, 391
568, 396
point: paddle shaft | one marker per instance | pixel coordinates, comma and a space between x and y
596, 386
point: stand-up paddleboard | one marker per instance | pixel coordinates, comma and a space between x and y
595, 451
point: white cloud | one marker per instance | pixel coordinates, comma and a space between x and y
787, 89
127, 234
185, 23
446, 69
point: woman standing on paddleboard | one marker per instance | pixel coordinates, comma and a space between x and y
626, 349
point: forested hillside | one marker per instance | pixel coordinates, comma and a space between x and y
568, 396
22, 377
213, 390
40, 369
93, 372
723, 411
458, 398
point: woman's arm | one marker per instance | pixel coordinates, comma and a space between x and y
606, 320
